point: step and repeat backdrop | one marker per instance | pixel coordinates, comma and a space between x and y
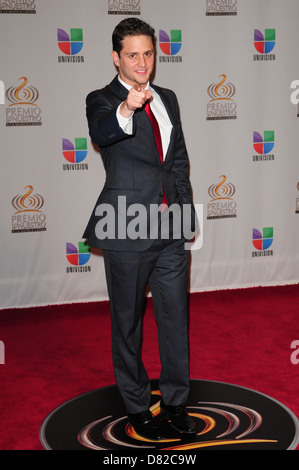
234, 67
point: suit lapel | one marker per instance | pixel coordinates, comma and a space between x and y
168, 108
118, 88
166, 103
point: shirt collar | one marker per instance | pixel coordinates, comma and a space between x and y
128, 87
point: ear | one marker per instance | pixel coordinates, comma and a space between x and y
115, 58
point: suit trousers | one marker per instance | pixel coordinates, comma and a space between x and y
165, 268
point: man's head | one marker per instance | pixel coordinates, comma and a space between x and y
130, 27
134, 51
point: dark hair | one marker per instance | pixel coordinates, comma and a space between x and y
130, 27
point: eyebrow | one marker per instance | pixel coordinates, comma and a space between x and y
145, 52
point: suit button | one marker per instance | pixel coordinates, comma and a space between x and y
161, 194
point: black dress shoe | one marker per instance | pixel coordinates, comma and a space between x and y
178, 417
145, 425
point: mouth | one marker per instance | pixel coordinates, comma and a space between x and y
141, 72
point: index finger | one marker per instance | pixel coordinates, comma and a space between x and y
137, 88
148, 94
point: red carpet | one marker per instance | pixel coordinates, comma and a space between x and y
53, 354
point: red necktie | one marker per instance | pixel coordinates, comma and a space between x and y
158, 139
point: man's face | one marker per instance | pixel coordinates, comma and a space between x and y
136, 60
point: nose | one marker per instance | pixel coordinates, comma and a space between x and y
142, 61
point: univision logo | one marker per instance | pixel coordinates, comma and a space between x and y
70, 44
262, 241
77, 256
264, 43
170, 44
263, 145
75, 154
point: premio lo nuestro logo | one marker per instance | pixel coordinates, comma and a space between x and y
28, 216
70, 44
20, 6
77, 256
263, 145
262, 242
222, 204
170, 44
75, 153
221, 104
124, 7
221, 8
264, 43
23, 109
226, 417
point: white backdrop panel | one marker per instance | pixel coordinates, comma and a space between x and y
35, 269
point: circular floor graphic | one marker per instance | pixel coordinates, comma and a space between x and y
227, 417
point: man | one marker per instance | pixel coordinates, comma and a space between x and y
143, 171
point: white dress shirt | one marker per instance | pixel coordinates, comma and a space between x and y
160, 113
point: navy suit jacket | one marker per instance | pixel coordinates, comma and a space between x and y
133, 168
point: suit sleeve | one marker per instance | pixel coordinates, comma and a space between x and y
104, 128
